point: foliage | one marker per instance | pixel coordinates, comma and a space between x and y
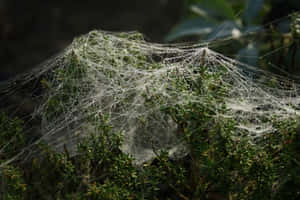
275, 44
221, 164
12, 136
219, 19
100, 171
67, 80
13, 186
222, 160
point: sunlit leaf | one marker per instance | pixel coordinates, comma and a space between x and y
252, 29
196, 26
215, 9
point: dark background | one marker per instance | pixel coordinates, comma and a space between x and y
33, 30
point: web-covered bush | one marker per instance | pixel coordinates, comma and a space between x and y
122, 118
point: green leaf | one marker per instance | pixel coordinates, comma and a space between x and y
207, 13
191, 27
252, 9
218, 9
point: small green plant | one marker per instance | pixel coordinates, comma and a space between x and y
13, 186
68, 79
12, 140
12, 137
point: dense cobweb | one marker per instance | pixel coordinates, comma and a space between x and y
131, 81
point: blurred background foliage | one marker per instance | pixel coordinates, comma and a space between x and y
258, 32
32, 31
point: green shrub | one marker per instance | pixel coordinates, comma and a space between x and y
219, 165
12, 184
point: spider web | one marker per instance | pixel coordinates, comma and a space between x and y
131, 81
